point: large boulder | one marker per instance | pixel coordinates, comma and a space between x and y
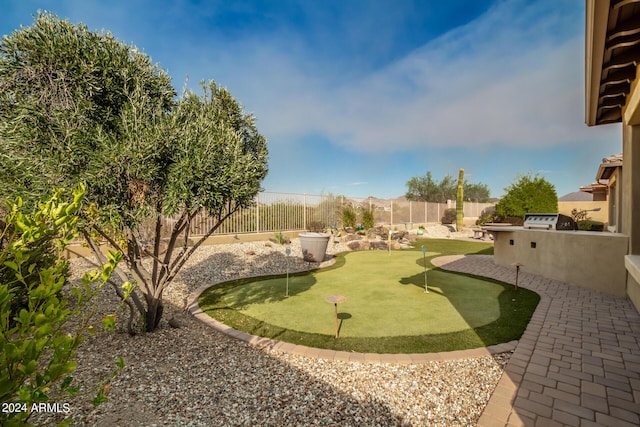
353, 236
359, 245
378, 244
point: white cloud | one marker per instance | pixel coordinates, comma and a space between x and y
507, 78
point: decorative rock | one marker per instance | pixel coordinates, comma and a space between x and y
352, 237
360, 245
174, 323
398, 235
378, 244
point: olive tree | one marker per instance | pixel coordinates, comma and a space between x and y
80, 106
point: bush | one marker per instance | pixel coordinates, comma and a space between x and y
487, 215
41, 253
513, 220
315, 226
528, 194
368, 221
280, 238
38, 344
589, 225
449, 216
349, 217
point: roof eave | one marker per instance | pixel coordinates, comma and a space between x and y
597, 17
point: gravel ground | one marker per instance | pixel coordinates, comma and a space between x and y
196, 376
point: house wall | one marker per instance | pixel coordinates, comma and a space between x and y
630, 203
586, 259
630, 207
615, 196
632, 262
565, 208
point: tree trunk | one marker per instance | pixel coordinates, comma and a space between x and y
155, 309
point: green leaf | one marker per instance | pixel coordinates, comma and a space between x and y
120, 363
69, 367
109, 322
40, 319
66, 383
25, 317
29, 368
128, 288
12, 265
11, 351
100, 398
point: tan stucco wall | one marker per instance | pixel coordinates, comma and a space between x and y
632, 262
633, 292
587, 259
630, 203
602, 215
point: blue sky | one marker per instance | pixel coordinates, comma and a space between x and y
357, 97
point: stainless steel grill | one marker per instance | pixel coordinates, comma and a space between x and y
549, 221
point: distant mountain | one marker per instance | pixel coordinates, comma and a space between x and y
576, 196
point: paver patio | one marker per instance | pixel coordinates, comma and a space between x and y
578, 362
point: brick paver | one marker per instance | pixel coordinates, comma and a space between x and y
578, 362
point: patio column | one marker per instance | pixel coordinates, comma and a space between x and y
629, 205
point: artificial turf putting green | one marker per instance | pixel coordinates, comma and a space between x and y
385, 296
386, 309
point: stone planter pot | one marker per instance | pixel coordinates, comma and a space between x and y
314, 246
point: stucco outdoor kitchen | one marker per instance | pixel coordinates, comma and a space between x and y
583, 258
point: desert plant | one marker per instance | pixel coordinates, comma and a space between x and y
368, 221
487, 215
280, 238
316, 226
349, 217
590, 225
449, 216
460, 201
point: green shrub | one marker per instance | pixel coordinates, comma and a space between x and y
368, 221
349, 217
529, 194
449, 216
38, 344
281, 238
316, 226
41, 255
488, 215
589, 225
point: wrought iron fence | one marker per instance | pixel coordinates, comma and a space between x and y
275, 212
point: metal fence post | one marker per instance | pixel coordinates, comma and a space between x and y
258, 215
304, 211
410, 212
